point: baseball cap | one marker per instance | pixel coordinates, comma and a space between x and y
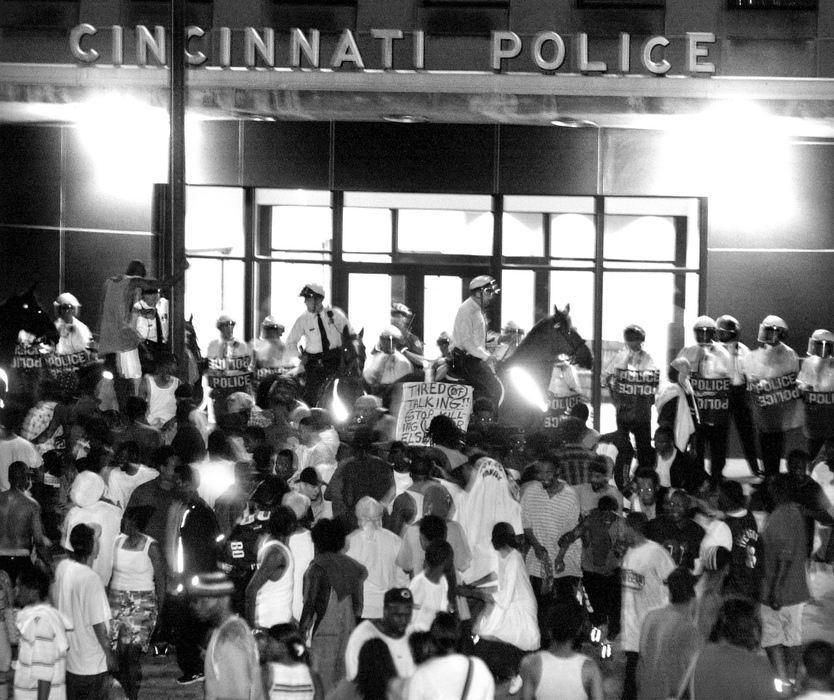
311, 289
214, 584
368, 401
398, 595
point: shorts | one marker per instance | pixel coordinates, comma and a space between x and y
782, 627
128, 365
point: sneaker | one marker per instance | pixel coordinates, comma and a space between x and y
188, 679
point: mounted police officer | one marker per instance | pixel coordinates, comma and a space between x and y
472, 362
324, 330
408, 343
230, 363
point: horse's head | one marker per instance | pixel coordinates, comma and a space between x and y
353, 352
24, 312
551, 338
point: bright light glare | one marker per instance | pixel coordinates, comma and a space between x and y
128, 141
738, 155
337, 408
528, 388
107, 374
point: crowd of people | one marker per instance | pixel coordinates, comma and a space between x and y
277, 553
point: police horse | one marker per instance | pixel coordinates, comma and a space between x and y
342, 389
550, 340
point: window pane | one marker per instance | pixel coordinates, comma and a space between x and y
523, 235
302, 228
445, 231
214, 221
288, 279
212, 286
640, 238
370, 304
441, 298
366, 230
572, 236
518, 291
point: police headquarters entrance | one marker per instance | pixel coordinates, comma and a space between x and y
635, 198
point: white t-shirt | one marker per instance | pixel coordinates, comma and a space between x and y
645, 569
79, 594
16, 450
444, 677
429, 599
120, 484
365, 631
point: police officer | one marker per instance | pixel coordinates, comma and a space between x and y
74, 336
150, 319
269, 354
727, 332
325, 331
408, 343
771, 372
816, 381
632, 377
230, 363
710, 382
472, 363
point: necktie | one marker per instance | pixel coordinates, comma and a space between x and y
325, 343
159, 336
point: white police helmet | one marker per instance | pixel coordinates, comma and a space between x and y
821, 343
704, 330
772, 330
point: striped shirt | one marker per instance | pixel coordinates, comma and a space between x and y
43, 652
550, 517
574, 463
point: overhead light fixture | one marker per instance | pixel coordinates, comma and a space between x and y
574, 123
404, 118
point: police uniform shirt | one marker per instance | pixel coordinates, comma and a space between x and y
469, 331
145, 320
74, 337
307, 327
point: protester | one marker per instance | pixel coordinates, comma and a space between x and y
376, 549
433, 589
669, 640
449, 674
560, 672
129, 473
332, 602
41, 666
375, 674
232, 669
21, 528
818, 664
731, 666
136, 592
391, 630
79, 595
286, 666
269, 593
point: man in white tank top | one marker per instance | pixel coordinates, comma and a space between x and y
158, 390
269, 595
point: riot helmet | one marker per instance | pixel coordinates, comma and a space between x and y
634, 333
772, 330
821, 343
727, 328
704, 330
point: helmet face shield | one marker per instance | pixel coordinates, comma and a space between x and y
820, 348
769, 335
704, 335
